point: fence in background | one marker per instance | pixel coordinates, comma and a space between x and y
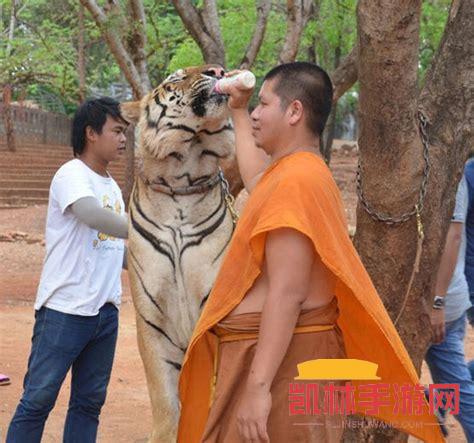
37, 126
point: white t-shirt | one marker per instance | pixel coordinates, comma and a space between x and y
82, 266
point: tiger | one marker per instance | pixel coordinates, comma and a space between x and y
179, 224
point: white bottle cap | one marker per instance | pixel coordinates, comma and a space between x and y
244, 79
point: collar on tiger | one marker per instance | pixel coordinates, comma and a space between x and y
184, 190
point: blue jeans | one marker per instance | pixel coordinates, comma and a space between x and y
447, 364
61, 341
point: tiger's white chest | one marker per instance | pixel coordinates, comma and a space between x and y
175, 250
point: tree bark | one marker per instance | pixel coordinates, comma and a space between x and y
328, 134
447, 99
117, 48
129, 164
11, 27
137, 40
7, 118
325, 143
203, 25
345, 75
81, 56
390, 151
298, 14
263, 11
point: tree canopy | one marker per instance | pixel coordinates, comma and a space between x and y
39, 48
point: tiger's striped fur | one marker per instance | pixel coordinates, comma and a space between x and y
176, 242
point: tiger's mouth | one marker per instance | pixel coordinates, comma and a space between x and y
204, 97
219, 98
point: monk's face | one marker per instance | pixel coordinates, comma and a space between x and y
268, 119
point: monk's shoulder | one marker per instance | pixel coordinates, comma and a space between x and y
308, 172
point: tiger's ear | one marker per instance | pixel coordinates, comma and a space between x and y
130, 111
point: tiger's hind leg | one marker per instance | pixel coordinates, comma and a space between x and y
162, 362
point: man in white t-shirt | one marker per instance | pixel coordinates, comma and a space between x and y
76, 308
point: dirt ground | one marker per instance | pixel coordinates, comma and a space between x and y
126, 416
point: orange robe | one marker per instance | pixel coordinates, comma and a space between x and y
299, 192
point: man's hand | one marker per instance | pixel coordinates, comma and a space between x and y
288, 265
437, 325
252, 414
251, 160
238, 97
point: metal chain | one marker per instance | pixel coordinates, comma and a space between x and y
418, 208
229, 198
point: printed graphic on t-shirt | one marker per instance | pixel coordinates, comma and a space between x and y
117, 208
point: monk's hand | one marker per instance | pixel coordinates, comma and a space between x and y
238, 97
252, 414
437, 325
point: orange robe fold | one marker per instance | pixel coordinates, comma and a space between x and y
299, 192
316, 334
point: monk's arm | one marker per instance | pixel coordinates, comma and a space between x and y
289, 257
252, 161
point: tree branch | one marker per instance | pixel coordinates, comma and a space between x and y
137, 41
62, 57
117, 48
298, 14
345, 75
447, 99
210, 17
11, 26
81, 54
263, 11
448, 93
204, 28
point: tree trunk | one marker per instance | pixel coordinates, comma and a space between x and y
298, 14
344, 77
81, 56
325, 143
328, 134
11, 27
390, 151
130, 165
117, 48
203, 25
263, 11
137, 40
311, 50
7, 118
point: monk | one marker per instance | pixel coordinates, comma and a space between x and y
291, 287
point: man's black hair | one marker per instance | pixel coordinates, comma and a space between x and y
93, 113
307, 83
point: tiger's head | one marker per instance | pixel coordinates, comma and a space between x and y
183, 114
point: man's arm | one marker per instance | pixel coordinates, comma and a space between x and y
289, 257
449, 257
89, 211
444, 276
252, 161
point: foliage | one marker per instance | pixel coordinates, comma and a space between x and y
44, 51
44, 48
434, 14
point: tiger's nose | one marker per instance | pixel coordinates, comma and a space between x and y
216, 71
